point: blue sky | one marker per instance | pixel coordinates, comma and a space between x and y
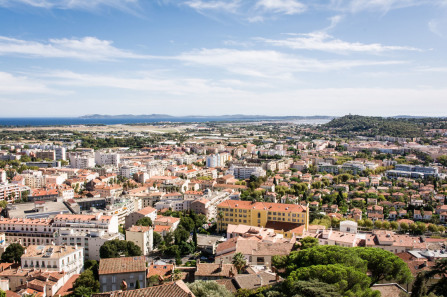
183, 57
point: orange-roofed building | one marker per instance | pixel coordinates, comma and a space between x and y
260, 214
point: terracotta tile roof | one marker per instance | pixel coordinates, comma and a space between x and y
262, 205
67, 288
161, 228
175, 289
122, 265
139, 229
161, 270
213, 269
11, 294
146, 210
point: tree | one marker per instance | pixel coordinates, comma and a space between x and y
146, 221
187, 223
117, 248
194, 238
378, 224
443, 160
440, 269
137, 284
308, 242
153, 280
368, 223
209, 289
404, 226
239, 261
2, 293
180, 235
394, 225
384, 265
386, 225
345, 278
419, 288
432, 228
87, 280
81, 292
157, 239
13, 253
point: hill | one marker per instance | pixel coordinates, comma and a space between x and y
372, 126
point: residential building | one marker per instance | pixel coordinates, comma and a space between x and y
68, 259
142, 236
261, 214
116, 271
147, 212
91, 240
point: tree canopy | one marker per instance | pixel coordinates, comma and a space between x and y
117, 248
13, 253
209, 289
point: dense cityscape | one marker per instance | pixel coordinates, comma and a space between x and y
223, 148
224, 209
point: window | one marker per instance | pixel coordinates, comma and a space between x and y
113, 279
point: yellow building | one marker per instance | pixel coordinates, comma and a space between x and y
279, 216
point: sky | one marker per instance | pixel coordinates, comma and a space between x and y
217, 57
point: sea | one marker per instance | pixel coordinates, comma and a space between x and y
64, 121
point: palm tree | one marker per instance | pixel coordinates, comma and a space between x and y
239, 261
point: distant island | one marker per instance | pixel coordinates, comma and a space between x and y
220, 117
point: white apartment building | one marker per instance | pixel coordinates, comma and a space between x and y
60, 152
69, 259
107, 158
128, 171
11, 192
27, 231
91, 241
2, 176
217, 160
245, 171
33, 179
82, 160
84, 223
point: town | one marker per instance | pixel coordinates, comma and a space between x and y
267, 208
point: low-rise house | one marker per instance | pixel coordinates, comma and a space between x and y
255, 251
214, 271
164, 272
114, 272
417, 215
392, 215
402, 213
208, 243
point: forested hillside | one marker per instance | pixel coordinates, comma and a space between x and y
372, 126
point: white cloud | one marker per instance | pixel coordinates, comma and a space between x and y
281, 6
12, 84
86, 48
219, 5
324, 42
268, 63
140, 82
72, 4
355, 6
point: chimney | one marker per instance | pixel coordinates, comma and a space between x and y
221, 264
